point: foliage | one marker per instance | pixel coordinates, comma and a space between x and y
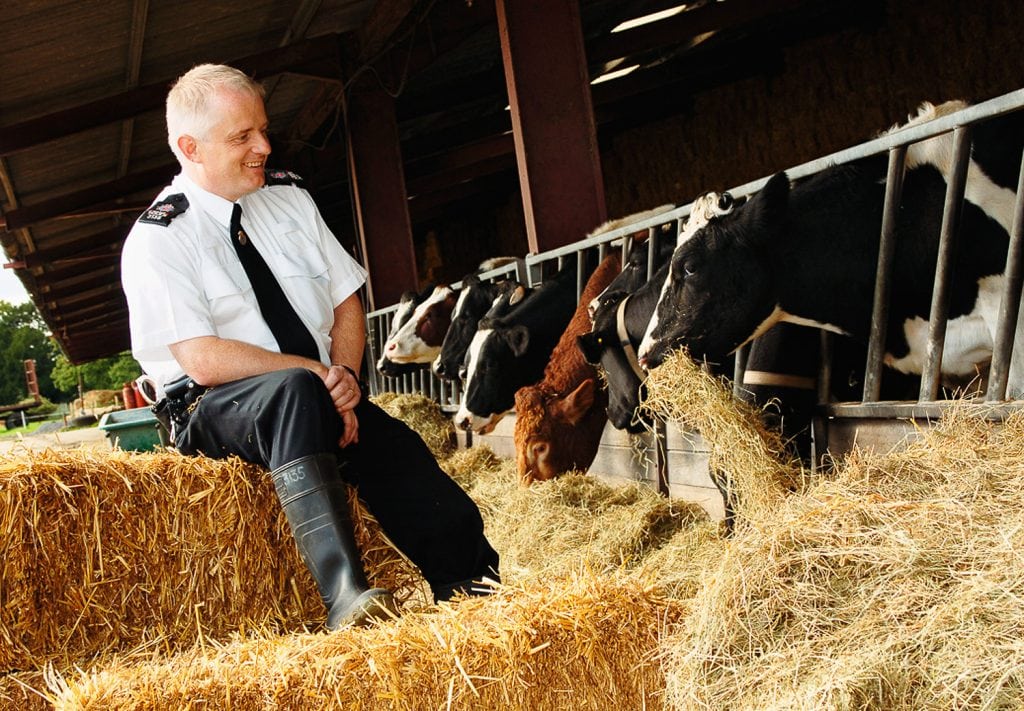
23, 336
102, 374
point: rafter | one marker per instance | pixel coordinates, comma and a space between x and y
19, 136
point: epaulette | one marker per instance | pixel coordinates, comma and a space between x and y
163, 212
282, 177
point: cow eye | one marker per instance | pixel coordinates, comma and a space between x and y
725, 201
689, 269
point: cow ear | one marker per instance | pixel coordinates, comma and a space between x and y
518, 294
590, 346
576, 404
767, 209
518, 338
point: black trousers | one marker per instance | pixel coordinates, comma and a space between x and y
285, 415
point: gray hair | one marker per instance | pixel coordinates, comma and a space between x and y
188, 101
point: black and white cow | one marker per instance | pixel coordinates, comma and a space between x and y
419, 338
407, 304
476, 298
511, 350
621, 312
807, 254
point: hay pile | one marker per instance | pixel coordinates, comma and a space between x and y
425, 417
750, 461
896, 583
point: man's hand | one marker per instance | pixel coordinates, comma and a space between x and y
345, 392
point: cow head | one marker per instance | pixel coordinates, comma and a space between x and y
418, 340
406, 305
476, 299
719, 292
547, 436
601, 347
633, 274
490, 368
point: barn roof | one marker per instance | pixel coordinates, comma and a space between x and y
82, 140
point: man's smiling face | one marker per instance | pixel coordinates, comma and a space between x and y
229, 161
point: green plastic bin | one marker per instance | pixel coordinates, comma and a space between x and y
136, 429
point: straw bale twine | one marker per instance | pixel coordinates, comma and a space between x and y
897, 584
425, 417
574, 642
750, 460
113, 550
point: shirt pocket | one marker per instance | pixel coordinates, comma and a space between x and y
223, 279
295, 255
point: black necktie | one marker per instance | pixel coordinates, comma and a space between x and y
291, 335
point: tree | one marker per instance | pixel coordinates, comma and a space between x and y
23, 336
101, 374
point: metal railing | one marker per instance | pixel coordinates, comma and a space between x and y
533, 269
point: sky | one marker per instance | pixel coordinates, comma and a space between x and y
11, 289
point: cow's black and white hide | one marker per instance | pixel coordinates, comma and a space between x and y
511, 350
476, 298
407, 304
621, 312
807, 254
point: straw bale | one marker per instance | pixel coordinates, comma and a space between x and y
576, 642
114, 550
750, 460
425, 417
897, 584
24, 691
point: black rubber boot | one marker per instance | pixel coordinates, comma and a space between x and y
315, 503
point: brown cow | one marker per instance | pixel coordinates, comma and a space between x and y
559, 420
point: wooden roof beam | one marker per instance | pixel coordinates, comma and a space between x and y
23, 135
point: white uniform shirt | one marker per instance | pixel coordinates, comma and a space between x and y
184, 280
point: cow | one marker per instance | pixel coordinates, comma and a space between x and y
621, 313
807, 254
419, 338
407, 303
511, 350
559, 420
476, 298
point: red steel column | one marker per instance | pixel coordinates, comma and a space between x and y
382, 213
552, 120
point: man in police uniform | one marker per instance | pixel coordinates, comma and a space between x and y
241, 298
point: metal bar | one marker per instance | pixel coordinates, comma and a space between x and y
883, 274
819, 422
580, 274
1009, 306
739, 368
948, 237
652, 251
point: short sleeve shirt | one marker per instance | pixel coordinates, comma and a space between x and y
183, 279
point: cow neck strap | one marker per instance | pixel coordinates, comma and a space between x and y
627, 345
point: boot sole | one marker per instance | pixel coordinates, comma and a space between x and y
373, 605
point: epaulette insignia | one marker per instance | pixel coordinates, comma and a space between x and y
282, 177
163, 212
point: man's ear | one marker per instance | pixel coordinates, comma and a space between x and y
189, 148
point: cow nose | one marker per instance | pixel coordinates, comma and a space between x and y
440, 370
390, 347
463, 424
642, 361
